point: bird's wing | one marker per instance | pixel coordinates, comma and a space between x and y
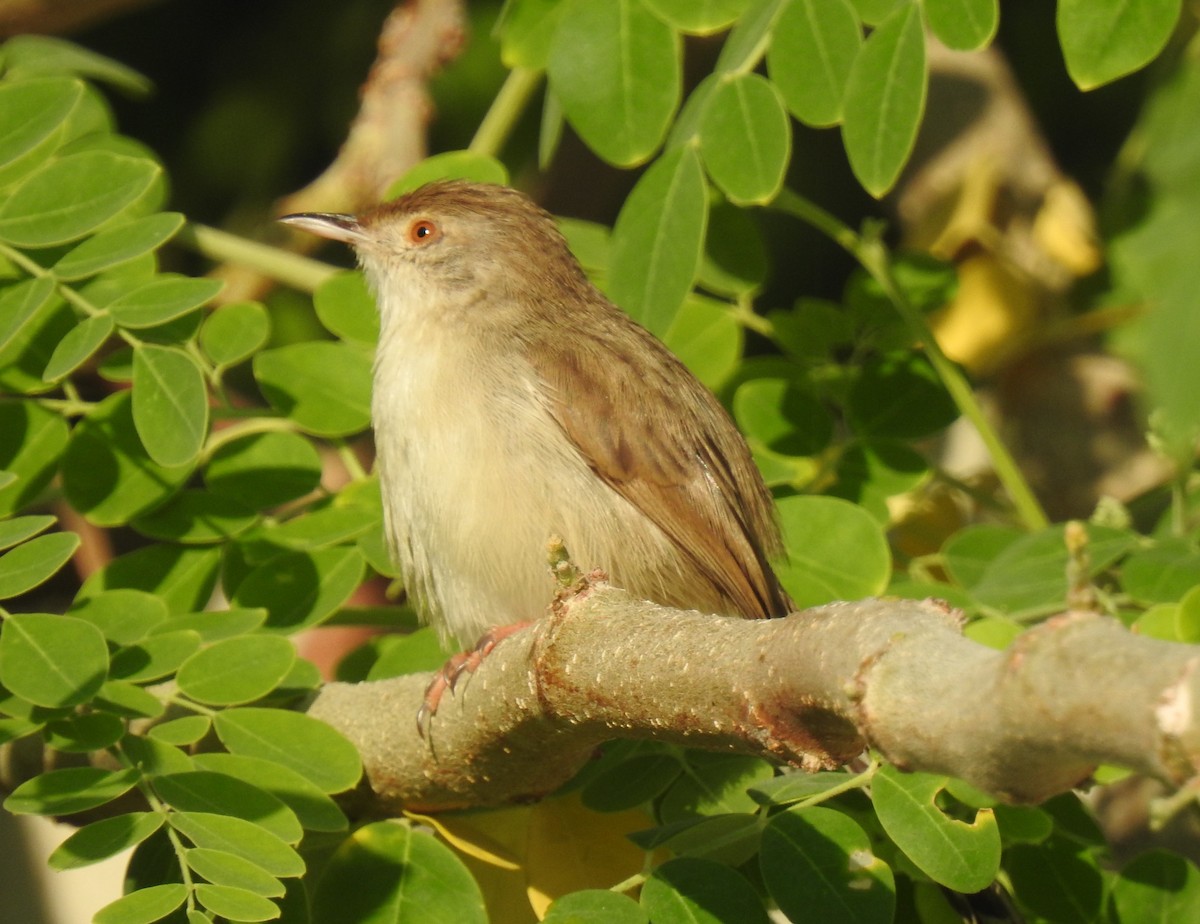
660, 439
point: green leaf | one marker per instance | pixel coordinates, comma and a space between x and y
222, 868
206, 791
1057, 881
792, 787
124, 616
961, 856
31, 441
748, 40
732, 839
708, 338
1162, 573
31, 563
449, 165
73, 196
103, 839
236, 670
735, 256
236, 904
630, 783
1106, 39
143, 906
233, 332
965, 25
117, 246
264, 469
818, 865
698, 17
84, 733
616, 70
302, 589
107, 474
658, 240
18, 529
162, 298
78, 346
154, 657
21, 305
241, 838
701, 891
325, 388
52, 661
316, 811
182, 732
33, 113
1158, 886
170, 404
347, 309
968, 552
65, 792
885, 99
1029, 577
594, 906
836, 551
182, 577
714, 784
746, 139
525, 29
812, 51
782, 415
196, 517
130, 701
900, 396
44, 54
215, 625
313, 749
388, 873
410, 654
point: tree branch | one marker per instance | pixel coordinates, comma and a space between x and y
810, 690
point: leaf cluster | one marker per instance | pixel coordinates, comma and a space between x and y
201, 436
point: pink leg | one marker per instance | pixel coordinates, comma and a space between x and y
465, 662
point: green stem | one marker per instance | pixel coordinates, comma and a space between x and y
505, 111
873, 256
292, 269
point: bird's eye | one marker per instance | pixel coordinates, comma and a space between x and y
423, 231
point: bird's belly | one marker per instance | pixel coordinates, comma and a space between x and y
473, 494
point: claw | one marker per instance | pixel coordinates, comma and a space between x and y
463, 663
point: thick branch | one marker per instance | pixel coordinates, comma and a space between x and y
810, 690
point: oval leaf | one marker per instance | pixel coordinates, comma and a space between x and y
616, 71
965, 25
117, 246
241, 838
310, 747
52, 661
72, 196
78, 346
658, 240
885, 98
324, 387
302, 589
75, 789
29, 564
105, 838
818, 865
170, 404
813, 48
836, 551
234, 331
163, 298
746, 139
237, 670
1106, 39
143, 906
384, 872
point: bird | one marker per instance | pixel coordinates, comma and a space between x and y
513, 402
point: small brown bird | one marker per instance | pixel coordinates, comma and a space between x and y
513, 402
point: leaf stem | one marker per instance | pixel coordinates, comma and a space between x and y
873, 256
506, 110
292, 269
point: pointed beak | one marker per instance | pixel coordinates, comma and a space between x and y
336, 227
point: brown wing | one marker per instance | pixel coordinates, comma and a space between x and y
665, 444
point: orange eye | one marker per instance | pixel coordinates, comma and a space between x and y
423, 231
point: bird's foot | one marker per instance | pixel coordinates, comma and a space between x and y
459, 668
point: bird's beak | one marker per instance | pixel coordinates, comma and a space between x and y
336, 227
